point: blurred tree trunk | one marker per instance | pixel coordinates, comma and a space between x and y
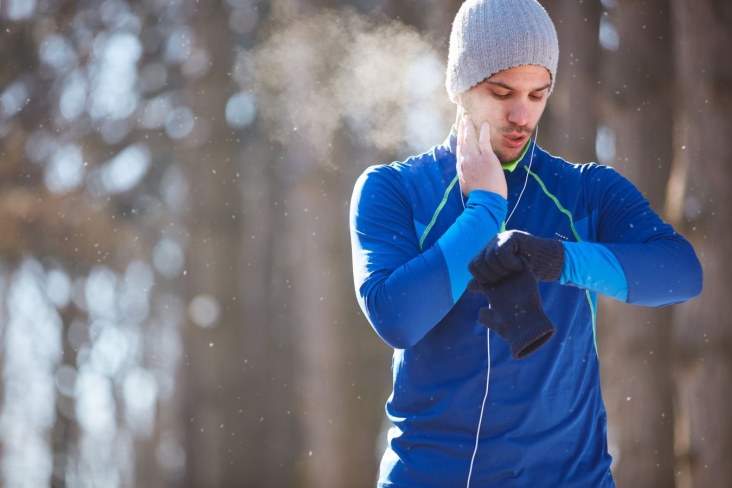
316, 276
317, 285
700, 199
239, 427
569, 124
634, 340
65, 434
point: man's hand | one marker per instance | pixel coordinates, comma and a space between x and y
504, 254
515, 311
477, 164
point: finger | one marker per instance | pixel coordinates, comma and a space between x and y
460, 148
459, 123
486, 316
495, 270
494, 267
470, 138
474, 267
476, 264
461, 145
484, 275
474, 286
490, 270
485, 138
506, 259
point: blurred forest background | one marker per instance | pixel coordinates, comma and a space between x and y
176, 298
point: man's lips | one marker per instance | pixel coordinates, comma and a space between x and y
514, 141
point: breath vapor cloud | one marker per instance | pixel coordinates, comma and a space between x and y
382, 81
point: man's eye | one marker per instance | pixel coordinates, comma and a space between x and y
536, 98
500, 96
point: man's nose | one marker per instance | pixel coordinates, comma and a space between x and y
518, 113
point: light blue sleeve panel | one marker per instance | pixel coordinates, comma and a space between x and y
594, 267
469, 234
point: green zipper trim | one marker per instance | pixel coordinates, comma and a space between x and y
437, 212
579, 239
556, 202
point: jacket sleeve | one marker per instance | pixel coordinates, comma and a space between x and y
638, 258
405, 292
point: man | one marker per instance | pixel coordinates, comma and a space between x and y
495, 367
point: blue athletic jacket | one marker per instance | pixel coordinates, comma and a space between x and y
543, 422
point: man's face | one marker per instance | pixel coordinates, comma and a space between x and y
512, 102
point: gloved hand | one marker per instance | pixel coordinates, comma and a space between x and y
515, 311
499, 257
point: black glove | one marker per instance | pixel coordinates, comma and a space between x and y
515, 311
499, 258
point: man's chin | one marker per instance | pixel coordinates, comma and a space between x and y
506, 156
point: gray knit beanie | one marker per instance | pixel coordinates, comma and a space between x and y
489, 36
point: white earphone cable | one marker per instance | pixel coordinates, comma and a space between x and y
487, 331
531, 160
482, 407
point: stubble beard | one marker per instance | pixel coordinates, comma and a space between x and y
510, 155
